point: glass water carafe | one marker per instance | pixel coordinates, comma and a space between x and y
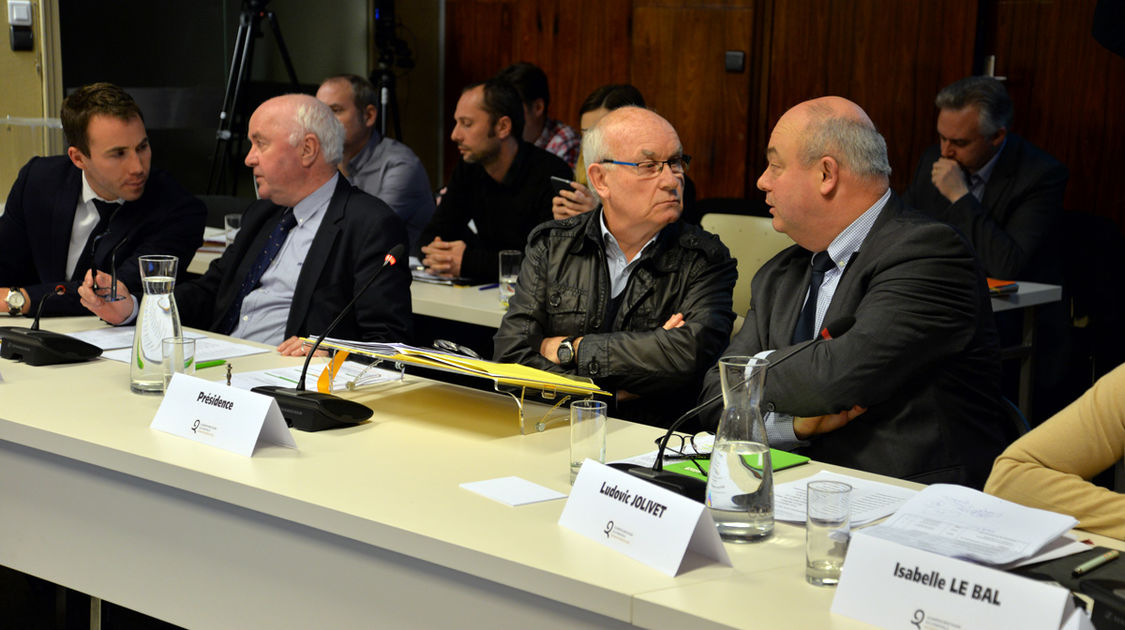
157, 318
740, 480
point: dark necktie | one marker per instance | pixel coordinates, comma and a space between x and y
86, 260
804, 330
261, 263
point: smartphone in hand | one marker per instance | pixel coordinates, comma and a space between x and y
560, 184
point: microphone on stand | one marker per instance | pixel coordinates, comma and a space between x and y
689, 486
43, 347
316, 411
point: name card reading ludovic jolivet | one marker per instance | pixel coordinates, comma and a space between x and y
227, 417
640, 519
895, 586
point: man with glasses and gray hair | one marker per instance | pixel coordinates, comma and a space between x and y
911, 389
305, 249
627, 295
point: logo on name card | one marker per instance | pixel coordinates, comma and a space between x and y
919, 617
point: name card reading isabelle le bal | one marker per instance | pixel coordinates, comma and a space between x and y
895, 586
640, 519
232, 419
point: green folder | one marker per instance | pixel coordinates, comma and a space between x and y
780, 460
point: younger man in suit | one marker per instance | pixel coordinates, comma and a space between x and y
911, 390
303, 250
99, 205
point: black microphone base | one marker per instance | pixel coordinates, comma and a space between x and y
690, 487
314, 411
43, 347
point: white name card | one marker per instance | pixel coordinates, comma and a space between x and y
641, 520
894, 586
227, 417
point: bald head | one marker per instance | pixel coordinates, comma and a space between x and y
827, 165
295, 144
836, 127
637, 201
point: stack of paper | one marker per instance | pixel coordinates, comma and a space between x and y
959, 522
512, 374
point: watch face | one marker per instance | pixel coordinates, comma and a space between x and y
566, 352
15, 299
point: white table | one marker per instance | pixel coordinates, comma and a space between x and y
360, 527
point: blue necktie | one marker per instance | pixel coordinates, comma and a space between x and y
261, 263
821, 263
86, 260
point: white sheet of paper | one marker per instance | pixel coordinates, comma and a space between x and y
289, 376
226, 417
895, 586
871, 500
113, 337
641, 520
512, 491
206, 349
961, 522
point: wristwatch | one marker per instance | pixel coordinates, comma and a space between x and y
566, 352
15, 302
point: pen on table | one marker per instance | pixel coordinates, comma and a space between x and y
488, 286
1094, 563
206, 364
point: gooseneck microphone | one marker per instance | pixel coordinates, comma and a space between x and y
316, 411
43, 347
689, 486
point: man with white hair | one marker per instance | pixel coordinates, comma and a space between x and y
627, 295
304, 250
911, 389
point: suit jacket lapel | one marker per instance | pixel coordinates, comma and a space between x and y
318, 255
62, 221
793, 280
1002, 177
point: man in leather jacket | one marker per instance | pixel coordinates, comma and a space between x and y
626, 295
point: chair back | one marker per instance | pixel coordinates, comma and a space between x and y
752, 241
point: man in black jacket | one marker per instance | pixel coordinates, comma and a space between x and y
627, 295
99, 205
502, 186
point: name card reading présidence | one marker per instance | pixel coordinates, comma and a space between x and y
212, 413
639, 519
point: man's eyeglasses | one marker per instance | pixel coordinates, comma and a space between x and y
681, 446
652, 168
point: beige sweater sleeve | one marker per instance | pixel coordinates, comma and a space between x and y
1049, 468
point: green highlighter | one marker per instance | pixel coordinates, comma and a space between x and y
780, 459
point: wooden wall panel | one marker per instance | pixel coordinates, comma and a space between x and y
678, 55
475, 49
890, 58
1068, 93
580, 44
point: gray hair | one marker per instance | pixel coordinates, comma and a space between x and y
855, 144
987, 94
594, 150
316, 118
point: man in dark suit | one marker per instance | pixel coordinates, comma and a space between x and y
911, 389
303, 251
99, 205
1004, 193
1006, 196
